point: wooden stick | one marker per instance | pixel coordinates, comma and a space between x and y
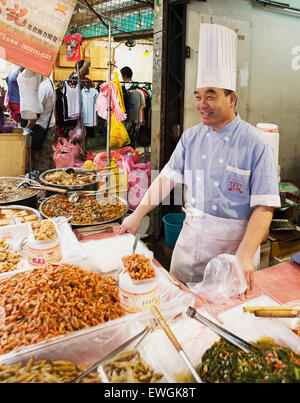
53, 189
271, 308
276, 314
103, 168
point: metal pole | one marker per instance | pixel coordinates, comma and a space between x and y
80, 107
109, 99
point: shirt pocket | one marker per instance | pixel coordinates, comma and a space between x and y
236, 183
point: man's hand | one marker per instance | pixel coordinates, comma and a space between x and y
248, 269
256, 230
131, 224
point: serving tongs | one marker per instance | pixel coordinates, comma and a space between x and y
230, 337
142, 334
280, 311
28, 184
175, 342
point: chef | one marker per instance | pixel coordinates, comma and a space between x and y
228, 167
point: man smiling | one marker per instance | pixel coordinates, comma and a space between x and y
228, 167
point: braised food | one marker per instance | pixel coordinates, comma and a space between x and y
75, 178
8, 259
44, 231
16, 216
9, 191
87, 210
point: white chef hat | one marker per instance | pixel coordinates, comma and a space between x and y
217, 59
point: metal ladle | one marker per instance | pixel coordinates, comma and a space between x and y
75, 196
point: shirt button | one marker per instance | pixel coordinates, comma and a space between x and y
226, 138
208, 134
214, 207
203, 156
216, 183
221, 161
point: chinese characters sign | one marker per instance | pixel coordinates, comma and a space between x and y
31, 32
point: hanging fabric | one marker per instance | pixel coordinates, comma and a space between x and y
88, 98
117, 103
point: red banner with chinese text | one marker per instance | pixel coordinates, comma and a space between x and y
31, 32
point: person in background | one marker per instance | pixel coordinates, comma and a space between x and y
13, 95
84, 68
43, 160
126, 74
228, 167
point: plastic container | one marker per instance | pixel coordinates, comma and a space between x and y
42, 252
173, 224
137, 296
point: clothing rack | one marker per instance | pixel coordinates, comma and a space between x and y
136, 82
82, 79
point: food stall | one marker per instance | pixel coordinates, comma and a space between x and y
72, 293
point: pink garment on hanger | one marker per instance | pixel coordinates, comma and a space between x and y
102, 102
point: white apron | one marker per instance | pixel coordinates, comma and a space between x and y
202, 238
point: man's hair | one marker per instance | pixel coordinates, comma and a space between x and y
126, 72
79, 64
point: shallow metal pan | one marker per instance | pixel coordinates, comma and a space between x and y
88, 186
18, 207
85, 193
29, 201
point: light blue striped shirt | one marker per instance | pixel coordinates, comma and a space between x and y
227, 172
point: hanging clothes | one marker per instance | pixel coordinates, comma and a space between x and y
71, 102
113, 89
73, 51
88, 98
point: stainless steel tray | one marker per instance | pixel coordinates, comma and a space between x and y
18, 180
87, 186
18, 207
123, 201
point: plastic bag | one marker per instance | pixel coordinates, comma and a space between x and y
223, 279
78, 134
118, 134
139, 182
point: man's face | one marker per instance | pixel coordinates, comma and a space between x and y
215, 108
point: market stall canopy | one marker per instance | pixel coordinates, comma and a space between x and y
126, 16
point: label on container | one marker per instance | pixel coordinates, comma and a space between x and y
137, 302
38, 257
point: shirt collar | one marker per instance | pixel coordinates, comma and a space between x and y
229, 128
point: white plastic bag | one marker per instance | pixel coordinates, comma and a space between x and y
223, 279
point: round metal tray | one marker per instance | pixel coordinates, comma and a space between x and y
23, 199
18, 207
83, 193
87, 186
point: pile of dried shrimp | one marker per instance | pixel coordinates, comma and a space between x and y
138, 266
53, 300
